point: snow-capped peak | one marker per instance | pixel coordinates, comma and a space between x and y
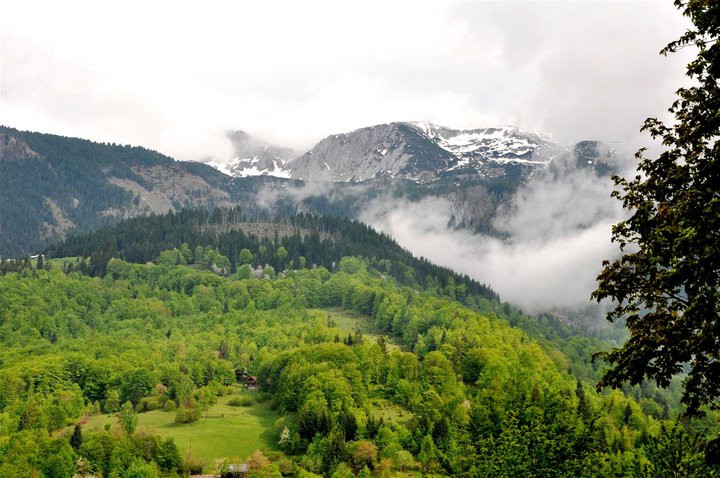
418, 151
496, 143
255, 157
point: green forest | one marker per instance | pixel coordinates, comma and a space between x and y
248, 341
178, 366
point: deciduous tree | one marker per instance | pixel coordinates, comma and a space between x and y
666, 285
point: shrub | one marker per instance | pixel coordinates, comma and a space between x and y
225, 390
152, 404
186, 415
148, 404
194, 466
169, 406
241, 401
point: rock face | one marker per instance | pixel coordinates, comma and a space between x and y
424, 152
396, 150
595, 155
419, 152
166, 188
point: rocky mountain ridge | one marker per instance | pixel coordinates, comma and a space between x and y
52, 186
423, 152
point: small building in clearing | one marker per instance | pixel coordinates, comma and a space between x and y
251, 382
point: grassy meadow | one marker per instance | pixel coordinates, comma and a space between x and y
227, 432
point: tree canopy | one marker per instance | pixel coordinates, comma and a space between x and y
453, 392
667, 283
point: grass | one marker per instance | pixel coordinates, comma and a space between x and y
228, 432
348, 321
57, 263
392, 413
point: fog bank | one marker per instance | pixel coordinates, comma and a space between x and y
551, 241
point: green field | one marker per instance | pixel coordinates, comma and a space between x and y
392, 413
57, 263
349, 321
228, 432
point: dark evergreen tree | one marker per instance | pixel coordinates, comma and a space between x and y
583, 406
76, 438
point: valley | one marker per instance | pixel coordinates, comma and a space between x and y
360, 240
355, 371
223, 275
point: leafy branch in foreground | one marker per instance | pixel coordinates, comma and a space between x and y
667, 283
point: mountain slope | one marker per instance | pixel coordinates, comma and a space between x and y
391, 150
320, 240
425, 152
52, 184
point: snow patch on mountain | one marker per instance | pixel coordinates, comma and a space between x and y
259, 166
501, 144
254, 157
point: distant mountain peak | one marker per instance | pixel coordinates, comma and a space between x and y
497, 143
254, 157
419, 151
424, 152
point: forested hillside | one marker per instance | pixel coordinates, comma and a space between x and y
50, 185
306, 239
365, 375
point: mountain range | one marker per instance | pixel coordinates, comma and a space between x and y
420, 152
52, 186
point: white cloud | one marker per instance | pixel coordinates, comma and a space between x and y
557, 232
174, 75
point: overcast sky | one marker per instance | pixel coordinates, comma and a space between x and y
174, 76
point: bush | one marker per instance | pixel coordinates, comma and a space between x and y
225, 390
169, 406
187, 415
194, 466
148, 404
241, 401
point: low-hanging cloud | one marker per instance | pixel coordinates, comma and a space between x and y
553, 237
269, 195
298, 192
